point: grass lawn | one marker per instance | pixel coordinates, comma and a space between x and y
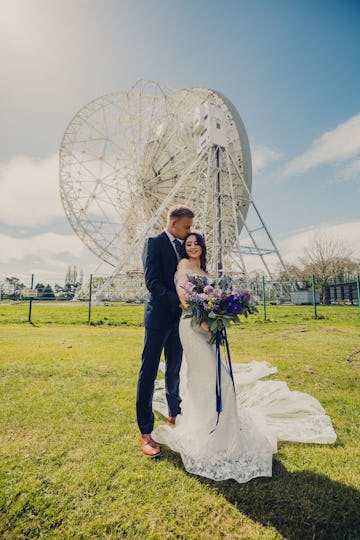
70, 460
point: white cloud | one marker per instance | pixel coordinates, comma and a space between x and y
337, 145
29, 191
48, 256
48, 247
350, 172
292, 247
262, 156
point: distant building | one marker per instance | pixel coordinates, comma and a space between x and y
304, 297
342, 293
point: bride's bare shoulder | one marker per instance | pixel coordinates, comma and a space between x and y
183, 264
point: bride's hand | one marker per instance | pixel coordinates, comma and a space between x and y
204, 326
183, 303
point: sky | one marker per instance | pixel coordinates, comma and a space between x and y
290, 67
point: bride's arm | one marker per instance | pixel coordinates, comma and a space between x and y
183, 269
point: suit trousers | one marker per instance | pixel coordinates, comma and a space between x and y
155, 341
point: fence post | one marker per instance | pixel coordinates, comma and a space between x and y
358, 290
264, 297
314, 297
90, 292
30, 302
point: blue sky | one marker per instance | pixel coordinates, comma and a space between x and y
290, 67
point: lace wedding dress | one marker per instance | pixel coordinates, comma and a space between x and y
256, 414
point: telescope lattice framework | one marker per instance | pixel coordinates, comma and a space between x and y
126, 157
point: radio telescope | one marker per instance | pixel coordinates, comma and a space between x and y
126, 157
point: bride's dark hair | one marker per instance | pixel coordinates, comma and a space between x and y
201, 241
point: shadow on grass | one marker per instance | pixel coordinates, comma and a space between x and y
301, 505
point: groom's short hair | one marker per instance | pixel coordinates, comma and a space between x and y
180, 211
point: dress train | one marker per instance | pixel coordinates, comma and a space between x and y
256, 414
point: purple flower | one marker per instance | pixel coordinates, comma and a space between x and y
245, 295
233, 308
209, 289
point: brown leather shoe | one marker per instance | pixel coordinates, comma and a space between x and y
149, 446
171, 419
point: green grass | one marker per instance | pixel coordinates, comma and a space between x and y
71, 313
70, 461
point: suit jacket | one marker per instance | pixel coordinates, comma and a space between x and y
160, 263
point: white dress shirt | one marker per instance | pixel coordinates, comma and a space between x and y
172, 238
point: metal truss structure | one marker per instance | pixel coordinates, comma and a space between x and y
125, 158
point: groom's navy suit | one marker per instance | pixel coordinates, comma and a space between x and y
162, 314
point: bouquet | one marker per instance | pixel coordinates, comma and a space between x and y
216, 304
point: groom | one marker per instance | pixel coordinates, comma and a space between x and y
162, 313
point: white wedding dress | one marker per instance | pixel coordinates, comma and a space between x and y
255, 415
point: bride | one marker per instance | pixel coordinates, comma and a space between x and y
240, 443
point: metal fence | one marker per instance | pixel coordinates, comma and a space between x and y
31, 292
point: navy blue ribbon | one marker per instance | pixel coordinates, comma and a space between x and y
228, 359
221, 338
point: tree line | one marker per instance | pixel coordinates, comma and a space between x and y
13, 289
327, 259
